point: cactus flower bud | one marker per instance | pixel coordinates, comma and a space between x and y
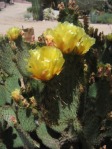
16, 96
109, 37
13, 33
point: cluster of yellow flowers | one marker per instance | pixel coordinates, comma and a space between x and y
69, 38
47, 61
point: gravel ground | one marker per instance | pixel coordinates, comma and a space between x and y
13, 15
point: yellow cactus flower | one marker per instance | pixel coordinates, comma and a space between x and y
67, 36
64, 36
45, 62
13, 33
84, 45
16, 96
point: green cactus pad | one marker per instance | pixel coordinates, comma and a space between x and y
46, 138
8, 114
26, 119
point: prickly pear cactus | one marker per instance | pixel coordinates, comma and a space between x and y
70, 12
53, 92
